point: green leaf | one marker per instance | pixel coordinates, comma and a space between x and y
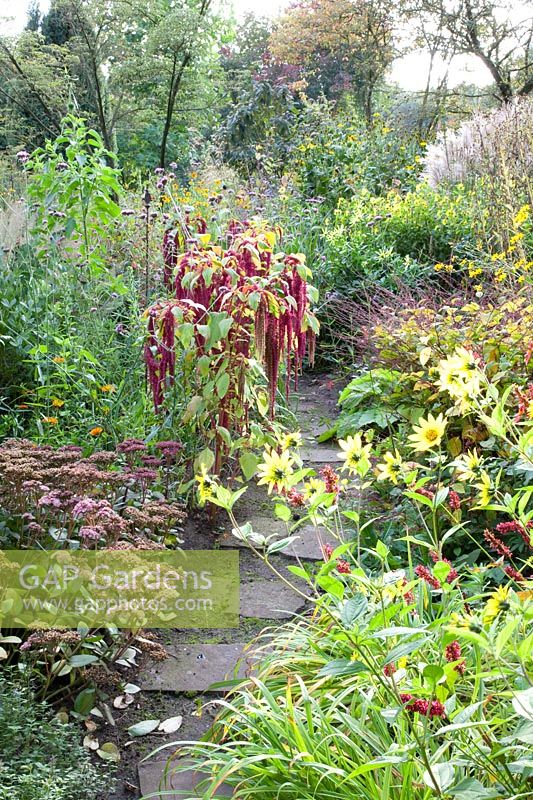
353, 609
248, 463
205, 458
472, 789
331, 585
404, 649
523, 703
222, 385
82, 660
84, 702
441, 774
282, 512
342, 666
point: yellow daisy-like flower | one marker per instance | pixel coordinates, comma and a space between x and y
428, 433
276, 470
108, 387
96, 431
313, 487
206, 485
57, 403
467, 622
58, 360
484, 488
496, 604
290, 440
356, 454
469, 466
391, 468
50, 420
463, 361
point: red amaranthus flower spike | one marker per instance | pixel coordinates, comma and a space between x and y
423, 707
265, 294
409, 597
295, 498
516, 527
328, 552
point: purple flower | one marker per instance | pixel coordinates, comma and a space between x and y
87, 505
127, 212
23, 156
159, 171
51, 499
91, 532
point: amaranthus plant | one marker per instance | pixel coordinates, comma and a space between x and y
236, 314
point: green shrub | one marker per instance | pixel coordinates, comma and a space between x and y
396, 238
335, 156
42, 758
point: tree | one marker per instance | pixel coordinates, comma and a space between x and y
176, 42
338, 45
34, 87
33, 17
490, 31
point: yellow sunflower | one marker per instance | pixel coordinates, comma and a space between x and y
206, 485
290, 440
469, 466
391, 468
356, 454
428, 433
496, 604
313, 488
484, 488
276, 470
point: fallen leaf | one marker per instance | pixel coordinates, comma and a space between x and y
109, 752
171, 724
91, 742
144, 727
123, 701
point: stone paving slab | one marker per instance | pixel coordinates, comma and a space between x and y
269, 599
194, 667
321, 455
155, 781
306, 546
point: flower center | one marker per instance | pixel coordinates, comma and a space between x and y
432, 434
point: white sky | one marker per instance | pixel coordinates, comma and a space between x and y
409, 72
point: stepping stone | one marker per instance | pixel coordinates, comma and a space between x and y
306, 546
156, 780
195, 667
264, 599
321, 455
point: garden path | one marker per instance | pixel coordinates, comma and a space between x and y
185, 678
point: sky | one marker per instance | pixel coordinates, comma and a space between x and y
409, 72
